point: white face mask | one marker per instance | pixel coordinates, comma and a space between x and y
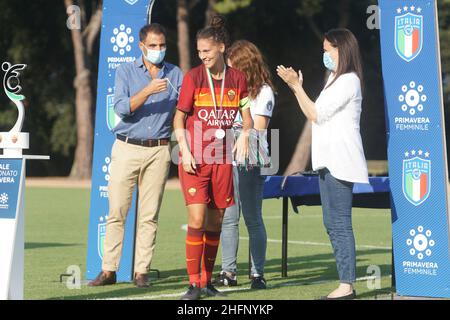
155, 56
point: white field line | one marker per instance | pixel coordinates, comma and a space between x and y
318, 216
322, 244
309, 243
290, 284
171, 295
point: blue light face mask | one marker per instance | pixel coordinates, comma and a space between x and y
155, 56
328, 62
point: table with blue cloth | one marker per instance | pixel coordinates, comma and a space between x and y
304, 190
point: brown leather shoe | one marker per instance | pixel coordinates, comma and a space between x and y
103, 280
141, 280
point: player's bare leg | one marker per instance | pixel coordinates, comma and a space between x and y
197, 215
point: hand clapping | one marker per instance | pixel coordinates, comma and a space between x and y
290, 76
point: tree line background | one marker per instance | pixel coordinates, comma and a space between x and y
60, 80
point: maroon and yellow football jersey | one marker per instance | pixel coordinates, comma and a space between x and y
202, 119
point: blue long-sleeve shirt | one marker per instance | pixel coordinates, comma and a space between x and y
153, 120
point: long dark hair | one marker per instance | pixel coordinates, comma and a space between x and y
216, 30
349, 54
246, 57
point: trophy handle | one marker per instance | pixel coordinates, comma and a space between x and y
21, 114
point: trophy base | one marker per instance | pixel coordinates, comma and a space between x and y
13, 143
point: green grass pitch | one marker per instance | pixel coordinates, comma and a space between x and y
56, 226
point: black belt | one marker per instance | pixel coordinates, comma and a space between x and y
144, 143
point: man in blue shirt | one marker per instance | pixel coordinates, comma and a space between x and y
146, 93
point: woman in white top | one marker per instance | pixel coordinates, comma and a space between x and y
337, 151
248, 182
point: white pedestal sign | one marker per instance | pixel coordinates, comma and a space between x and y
12, 191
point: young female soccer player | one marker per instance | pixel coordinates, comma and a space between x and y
211, 96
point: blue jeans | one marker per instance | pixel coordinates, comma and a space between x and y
336, 196
248, 188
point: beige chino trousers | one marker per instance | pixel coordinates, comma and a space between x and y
148, 167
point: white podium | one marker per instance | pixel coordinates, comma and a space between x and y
12, 234
12, 193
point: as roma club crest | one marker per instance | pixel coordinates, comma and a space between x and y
192, 191
231, 95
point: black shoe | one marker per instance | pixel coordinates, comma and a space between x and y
211, 291
193, 293
223, 279
258, 282
350, 296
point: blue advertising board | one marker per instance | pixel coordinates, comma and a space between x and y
122, 20
416, 146
10, 176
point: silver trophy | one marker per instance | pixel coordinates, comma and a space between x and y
14, 141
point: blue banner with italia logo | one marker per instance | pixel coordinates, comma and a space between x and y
122, 20
10, 175
416, 146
